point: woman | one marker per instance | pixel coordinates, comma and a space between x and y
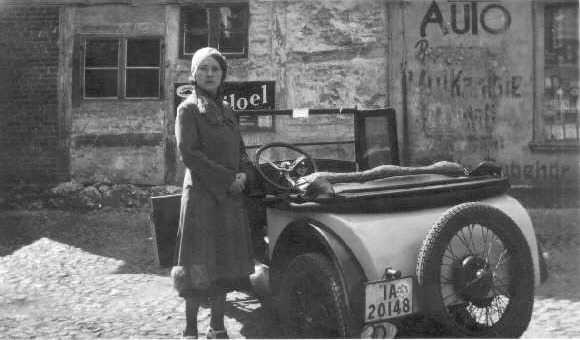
214, 247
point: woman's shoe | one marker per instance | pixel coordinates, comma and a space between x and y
183, 336
212, 334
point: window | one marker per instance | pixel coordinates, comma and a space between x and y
117, 68
222, 26
558, 113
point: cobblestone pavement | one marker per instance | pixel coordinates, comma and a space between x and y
73, 275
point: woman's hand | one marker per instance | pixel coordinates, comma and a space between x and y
239, 183
315, 184
305, 181
242, 178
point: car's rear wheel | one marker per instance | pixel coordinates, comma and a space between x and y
476, 273
312, 299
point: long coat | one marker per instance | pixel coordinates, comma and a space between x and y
213, 230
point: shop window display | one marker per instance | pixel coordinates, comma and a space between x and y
559, 113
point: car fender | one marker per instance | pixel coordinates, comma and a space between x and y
307, 235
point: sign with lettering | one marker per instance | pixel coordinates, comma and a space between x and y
468, 17
242, 96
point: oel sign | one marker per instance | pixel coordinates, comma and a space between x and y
242, 96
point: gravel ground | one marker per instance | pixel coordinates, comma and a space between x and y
557, 303
86, 275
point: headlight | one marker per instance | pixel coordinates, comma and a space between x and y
381, 330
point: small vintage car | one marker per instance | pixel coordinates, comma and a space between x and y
344, 252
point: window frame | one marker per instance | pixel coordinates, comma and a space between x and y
122, 67
539, 143
213, 29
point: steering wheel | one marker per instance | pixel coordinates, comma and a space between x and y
284, 168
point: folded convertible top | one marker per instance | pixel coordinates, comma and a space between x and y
411, 192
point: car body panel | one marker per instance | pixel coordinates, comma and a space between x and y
393, 239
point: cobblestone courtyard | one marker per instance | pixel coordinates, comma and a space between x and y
89, 275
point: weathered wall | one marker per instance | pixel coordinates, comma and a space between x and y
326, 54
117, 141
462, 86
470, 89
323, 54
31, 146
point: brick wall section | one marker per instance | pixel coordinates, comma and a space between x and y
29, 117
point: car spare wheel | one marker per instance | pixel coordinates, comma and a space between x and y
312, 299
476, 274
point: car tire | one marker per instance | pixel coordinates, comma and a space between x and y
480, 286
312, 299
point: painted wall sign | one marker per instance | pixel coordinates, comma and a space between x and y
242, 96
538, 171
492, 18
456, 82
462, 84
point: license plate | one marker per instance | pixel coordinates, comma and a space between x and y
388, 299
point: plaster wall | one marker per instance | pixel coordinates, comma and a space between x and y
107, 135
463, 85
323, 54
469, 89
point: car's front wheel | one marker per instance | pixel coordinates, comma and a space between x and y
476, 273
312, 299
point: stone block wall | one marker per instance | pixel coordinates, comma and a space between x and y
30, 130
118, 142
121, 140
321, 55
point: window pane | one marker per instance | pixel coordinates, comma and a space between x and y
224, 27
143, 52
233, 18
101, 52
232, 28
194, 17
561, 33
193, 42
142, 83
561, 80
100, 83
232, 43
195, 28
377, 139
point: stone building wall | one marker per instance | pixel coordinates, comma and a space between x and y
324, 54
471, 73
463, 78
31, 140
115, 141
321, 54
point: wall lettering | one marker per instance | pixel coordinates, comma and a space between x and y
460, 105
493, 18
460, 83
423, 49
469, 120
537, 171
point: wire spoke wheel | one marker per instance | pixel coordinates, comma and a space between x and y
476, 274
476, 257
313, 299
